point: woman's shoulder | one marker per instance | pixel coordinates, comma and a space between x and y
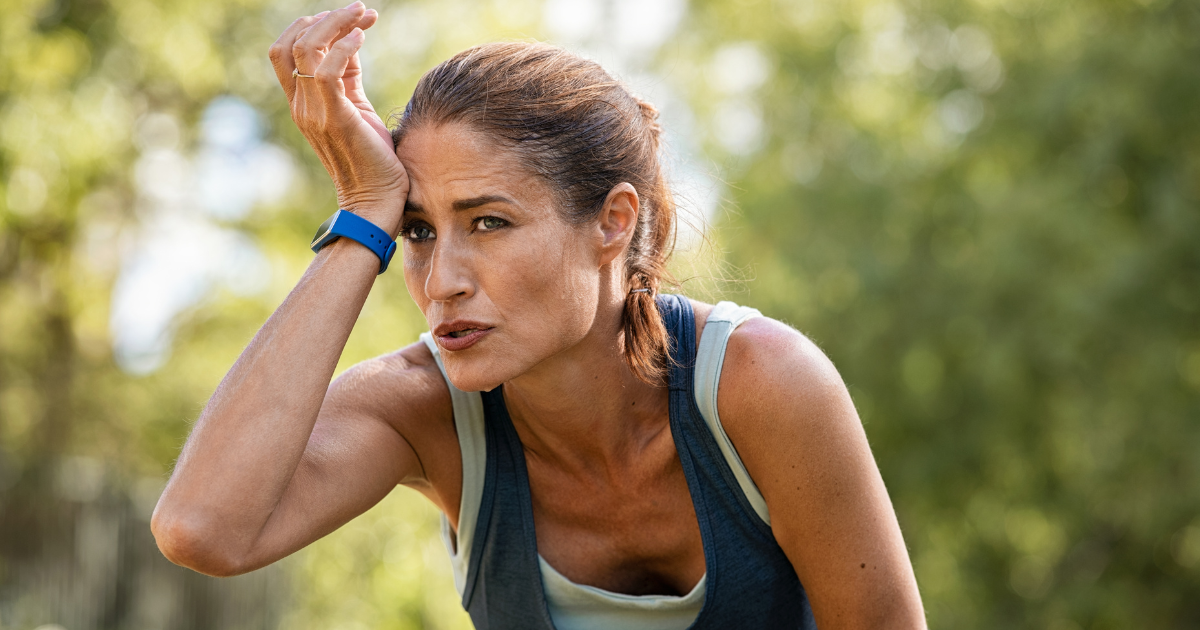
404, 378
773, 373
763, 343
405, 389
787, 412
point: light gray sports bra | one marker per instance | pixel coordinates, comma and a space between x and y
578, 606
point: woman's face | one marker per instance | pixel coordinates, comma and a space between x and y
504, 282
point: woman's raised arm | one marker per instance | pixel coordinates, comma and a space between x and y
279, 457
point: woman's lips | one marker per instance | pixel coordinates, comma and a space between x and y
448, 342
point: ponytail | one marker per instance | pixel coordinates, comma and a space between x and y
646, 343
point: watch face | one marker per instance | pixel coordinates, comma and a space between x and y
325, 227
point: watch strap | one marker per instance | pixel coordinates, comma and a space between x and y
346, 223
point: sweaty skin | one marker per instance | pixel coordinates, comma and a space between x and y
280, 456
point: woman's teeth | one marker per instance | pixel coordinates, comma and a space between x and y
462, 333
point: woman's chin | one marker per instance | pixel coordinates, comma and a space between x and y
474, 378
482, 369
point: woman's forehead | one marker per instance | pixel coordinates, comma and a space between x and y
453, 161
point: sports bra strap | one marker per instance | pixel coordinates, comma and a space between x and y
722, 321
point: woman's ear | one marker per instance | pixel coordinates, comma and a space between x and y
618, 221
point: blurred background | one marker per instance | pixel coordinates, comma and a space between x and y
987, 212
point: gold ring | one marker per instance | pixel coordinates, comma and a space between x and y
296, 73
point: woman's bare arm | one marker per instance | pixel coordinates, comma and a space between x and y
279, 457
786, 409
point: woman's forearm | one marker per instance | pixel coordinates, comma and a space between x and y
248, 441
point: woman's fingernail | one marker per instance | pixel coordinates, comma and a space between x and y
321, 14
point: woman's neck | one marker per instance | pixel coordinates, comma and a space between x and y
583, 409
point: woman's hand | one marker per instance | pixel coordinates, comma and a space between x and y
332, 111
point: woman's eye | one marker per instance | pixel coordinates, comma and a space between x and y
489, 223
418, 233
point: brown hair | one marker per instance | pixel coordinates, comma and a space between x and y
583, 132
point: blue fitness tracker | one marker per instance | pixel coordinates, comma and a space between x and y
350, 225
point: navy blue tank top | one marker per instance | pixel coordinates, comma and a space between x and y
750, 583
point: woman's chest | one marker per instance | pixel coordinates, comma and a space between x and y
634, 532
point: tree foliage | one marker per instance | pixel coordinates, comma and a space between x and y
986, 213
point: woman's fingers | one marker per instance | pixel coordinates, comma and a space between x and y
333, 67
314, 44
280, 52
329, 108
368, 19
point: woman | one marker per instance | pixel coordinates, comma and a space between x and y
604, 456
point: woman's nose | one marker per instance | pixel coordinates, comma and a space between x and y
449, 274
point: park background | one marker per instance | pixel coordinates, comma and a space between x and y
986, 212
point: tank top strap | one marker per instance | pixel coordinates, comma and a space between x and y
703, 437
710, 359
750, 581
680, 322
472, 444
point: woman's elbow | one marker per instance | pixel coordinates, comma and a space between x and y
189, 541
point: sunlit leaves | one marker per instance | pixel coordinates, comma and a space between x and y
1002, 182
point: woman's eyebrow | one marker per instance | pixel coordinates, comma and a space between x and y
475, 202
461, 204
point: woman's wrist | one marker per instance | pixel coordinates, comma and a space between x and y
347, 251
384, 214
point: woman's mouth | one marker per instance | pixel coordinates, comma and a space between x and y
457, 336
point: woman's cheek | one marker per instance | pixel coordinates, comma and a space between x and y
519, 269
415, 269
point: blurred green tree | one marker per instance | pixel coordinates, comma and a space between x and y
988, 215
